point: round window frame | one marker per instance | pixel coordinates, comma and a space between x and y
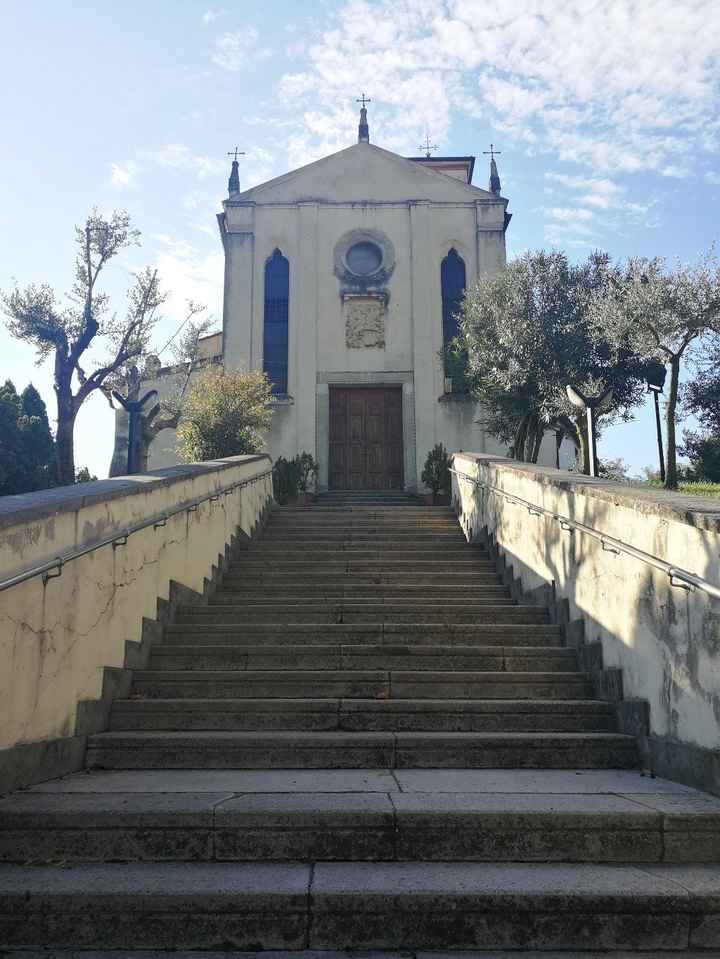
368, 243
364, 280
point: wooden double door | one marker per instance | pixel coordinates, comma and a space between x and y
366, 438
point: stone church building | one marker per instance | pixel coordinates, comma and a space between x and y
342, 280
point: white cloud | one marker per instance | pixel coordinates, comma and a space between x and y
188, 273
210, 16
178, 156
124, 176
712, 177
234, 50
568, 214
617, 87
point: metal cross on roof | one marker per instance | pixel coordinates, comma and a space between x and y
363, 99
492, 152
235, 154
428, 147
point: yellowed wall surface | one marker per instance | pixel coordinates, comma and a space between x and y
665, 639
56, 638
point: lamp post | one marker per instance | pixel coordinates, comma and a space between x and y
655, 379
592, 406
134, 410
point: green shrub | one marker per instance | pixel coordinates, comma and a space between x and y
226, 413
307, 471
436, 472
294, 476
286, 478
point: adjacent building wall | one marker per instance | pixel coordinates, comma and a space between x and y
58, 639
665, 640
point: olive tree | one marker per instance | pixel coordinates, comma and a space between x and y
528, 335
67, 331
166, 413
665, 313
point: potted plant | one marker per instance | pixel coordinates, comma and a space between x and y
436, 475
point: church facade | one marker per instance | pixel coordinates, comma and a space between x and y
342, 280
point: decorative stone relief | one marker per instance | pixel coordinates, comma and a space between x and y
364, 321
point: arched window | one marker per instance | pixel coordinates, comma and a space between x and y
452, 282
275, 329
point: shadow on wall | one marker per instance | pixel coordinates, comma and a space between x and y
665, 639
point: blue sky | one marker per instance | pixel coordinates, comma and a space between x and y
606, 115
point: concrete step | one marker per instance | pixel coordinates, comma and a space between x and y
342, 905
362, 524
363, 656
387, 541
383, 827
358, 683
468, 576
538, 635
469, 562
270, 555
363, 750
238, 592
347, 611
330, 552
275, 534
364, 715
376, 954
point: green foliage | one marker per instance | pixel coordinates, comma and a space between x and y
703, 451
226, 413
436, 471
456, 366
84, 475
68, 330
528, 334
286, 479
665, 313
702, 394
27, 450
291, 477
616, 470
307, 469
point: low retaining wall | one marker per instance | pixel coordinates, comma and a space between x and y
665, 639
67, 645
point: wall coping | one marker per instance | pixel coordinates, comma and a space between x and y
697, 511
44, 504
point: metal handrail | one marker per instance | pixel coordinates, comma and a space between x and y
681, 578
54, 567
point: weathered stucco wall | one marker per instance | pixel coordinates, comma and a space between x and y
665, 639
57, 638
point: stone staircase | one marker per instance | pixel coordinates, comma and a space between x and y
361, 742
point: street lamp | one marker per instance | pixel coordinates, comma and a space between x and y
592, 406
655, 378
134, 410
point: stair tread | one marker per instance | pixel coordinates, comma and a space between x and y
635, 888
310, 737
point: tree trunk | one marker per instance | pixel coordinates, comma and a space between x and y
581, 427
518, 450
65, 446
671, 480
539, 433
530, 438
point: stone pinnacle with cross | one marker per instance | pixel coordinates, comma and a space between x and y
494, 175
234, 181
363, 128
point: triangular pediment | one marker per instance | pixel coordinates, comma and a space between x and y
363, 173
